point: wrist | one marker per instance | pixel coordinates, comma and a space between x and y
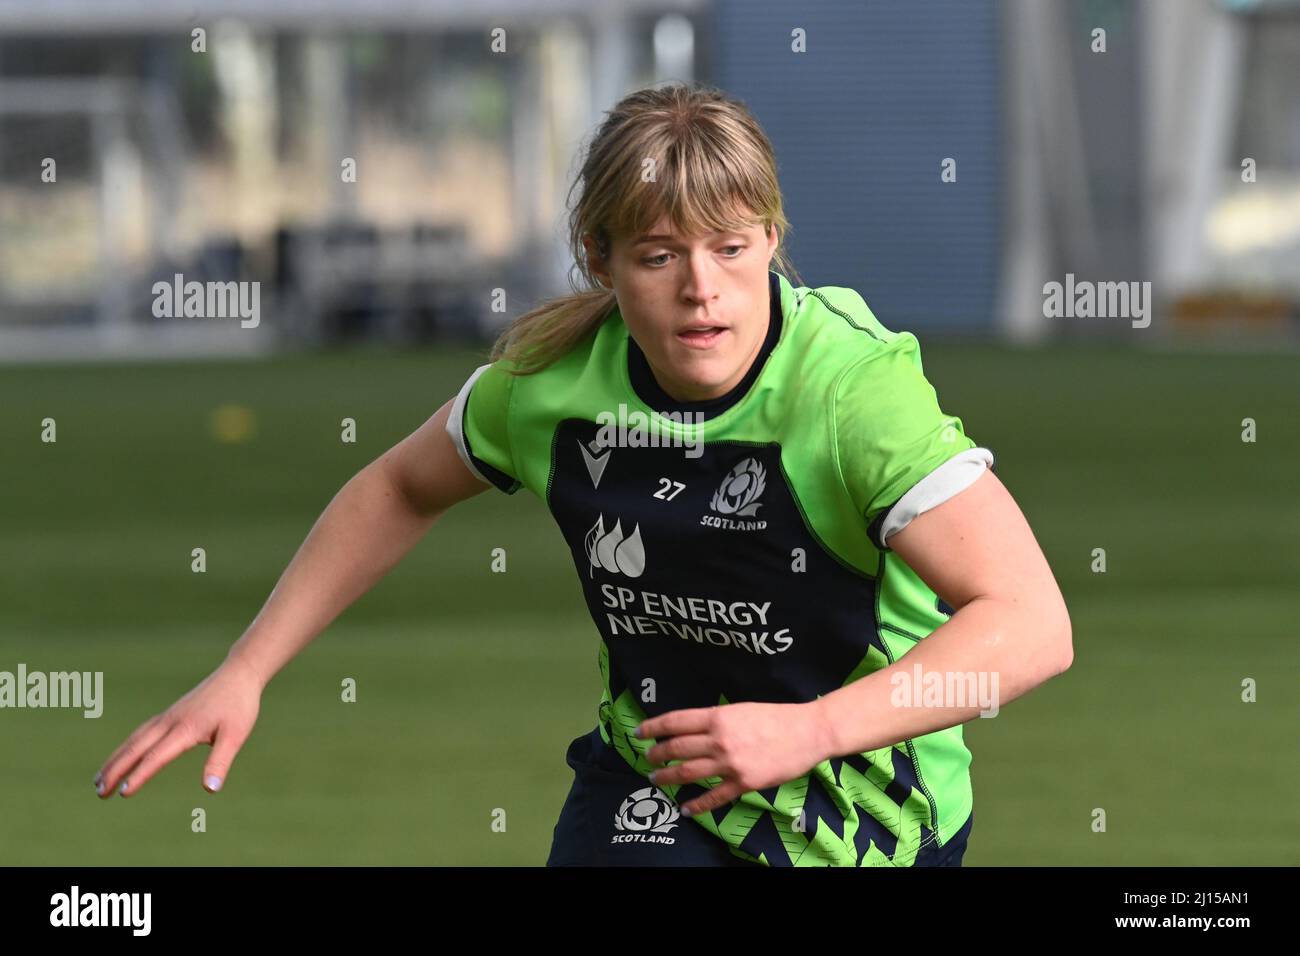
242, 664
825, 737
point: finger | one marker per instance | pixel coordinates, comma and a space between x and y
693, 720
682, 748
225, 747
162, 753
151, 726
688, 772
723, 793
128, 754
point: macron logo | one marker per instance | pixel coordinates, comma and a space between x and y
102, 909
595, 462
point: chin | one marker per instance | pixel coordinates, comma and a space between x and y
707, 376
704, 371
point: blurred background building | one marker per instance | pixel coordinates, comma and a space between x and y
380, 168
947, 158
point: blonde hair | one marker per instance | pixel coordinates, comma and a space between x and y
714, 170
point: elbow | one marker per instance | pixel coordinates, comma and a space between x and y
1045, 637
1047, 630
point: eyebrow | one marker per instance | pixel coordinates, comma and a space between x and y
660, 237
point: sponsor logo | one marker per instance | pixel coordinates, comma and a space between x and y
595, 460
737, 498
646, 816
682, 616
613, 551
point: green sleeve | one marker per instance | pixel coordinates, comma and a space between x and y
890, 432
479, 425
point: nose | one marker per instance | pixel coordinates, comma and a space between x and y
701, 280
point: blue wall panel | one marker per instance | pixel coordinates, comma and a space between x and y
861, 123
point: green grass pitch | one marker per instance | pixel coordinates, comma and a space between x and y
471, 684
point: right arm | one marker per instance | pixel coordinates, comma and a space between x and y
369, 526
371, 523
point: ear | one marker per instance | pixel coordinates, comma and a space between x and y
596, 263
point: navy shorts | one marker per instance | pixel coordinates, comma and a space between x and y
615, 817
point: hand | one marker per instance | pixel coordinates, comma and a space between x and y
220, 711
749, 745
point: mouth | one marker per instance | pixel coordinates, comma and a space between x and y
701, 336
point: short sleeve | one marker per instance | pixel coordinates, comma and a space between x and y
899, 455
479, 426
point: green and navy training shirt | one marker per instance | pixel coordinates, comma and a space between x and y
736, 549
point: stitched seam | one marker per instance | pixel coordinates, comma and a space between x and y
803, 515
835, 431
911, 750
844, 315
901, 632
835, 435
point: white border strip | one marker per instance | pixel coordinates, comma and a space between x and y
956, 474
455, 419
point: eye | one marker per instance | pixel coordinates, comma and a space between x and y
653, 260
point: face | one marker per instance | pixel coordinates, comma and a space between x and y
696, 305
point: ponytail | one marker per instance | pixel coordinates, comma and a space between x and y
538, 337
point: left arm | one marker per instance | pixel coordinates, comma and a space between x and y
975, 551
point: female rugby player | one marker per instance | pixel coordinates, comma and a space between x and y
804, 574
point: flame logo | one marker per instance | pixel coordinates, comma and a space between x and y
614, 552
739, 489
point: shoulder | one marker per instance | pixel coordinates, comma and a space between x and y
843, 311
592, 355
839, 342
500, 384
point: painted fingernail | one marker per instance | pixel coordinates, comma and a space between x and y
99, 787
686, 812
98, 778
213, 782
122, 789
638, 731
652, 775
